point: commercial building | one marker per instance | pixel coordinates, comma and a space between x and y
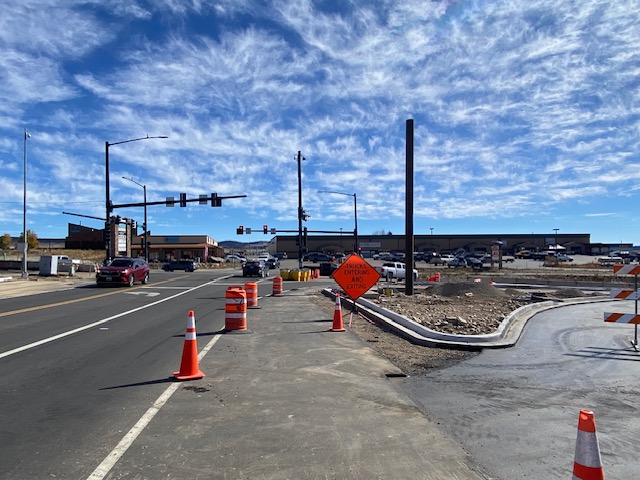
130, 243
172, 247
576, 243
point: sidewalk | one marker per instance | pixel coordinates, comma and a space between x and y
13, 285
289, 400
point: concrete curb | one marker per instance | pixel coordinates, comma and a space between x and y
505, 336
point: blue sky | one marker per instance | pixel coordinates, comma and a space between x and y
527, 113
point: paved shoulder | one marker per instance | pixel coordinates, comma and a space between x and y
290, 399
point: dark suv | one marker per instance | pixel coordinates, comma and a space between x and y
123, 271
186, 265
255, 267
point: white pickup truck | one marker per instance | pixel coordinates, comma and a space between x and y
390, 270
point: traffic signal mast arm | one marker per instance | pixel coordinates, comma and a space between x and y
278, 230
167, 202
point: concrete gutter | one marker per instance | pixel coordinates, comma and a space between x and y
506, 335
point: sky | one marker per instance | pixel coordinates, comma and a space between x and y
526, 114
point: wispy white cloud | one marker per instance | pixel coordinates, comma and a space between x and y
518, 105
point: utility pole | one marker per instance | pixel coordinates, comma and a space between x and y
409, 245
300, 210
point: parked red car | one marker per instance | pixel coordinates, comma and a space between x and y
123, 271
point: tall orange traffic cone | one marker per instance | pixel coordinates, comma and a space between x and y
337, 316
189, 369
587, 464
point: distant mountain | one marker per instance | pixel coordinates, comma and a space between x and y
235, 245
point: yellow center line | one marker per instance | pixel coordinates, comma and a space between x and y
92, 297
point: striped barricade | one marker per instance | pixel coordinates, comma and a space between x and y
626, 269
630, 318
623, 294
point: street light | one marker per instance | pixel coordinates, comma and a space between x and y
432, 245
107, 224
146, 243
25, 273
355, 215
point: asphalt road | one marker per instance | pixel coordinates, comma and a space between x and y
57, 393
67, 401
516, 410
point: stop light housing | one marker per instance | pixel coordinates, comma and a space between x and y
240, 230
215, 201
265, 229
183, 199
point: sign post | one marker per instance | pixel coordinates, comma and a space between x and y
355, 276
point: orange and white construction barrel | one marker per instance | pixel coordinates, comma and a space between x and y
278, 288
235, 310
251, 288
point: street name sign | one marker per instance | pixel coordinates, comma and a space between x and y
355, 276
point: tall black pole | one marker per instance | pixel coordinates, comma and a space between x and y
25, 238
107, 223
299, 157
355, 215
146, 237
408, 251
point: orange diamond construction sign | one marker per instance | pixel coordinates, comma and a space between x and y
355, 276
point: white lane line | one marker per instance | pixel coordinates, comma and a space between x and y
99, 322
151, 287
108, 463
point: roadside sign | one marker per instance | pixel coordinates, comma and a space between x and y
355, 276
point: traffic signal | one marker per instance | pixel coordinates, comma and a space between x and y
240, 230
215, 201
304, 237
265, 229
134, 225
183, 199
305, 215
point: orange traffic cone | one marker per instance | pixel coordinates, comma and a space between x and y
189, 369
587, 464
337, 316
